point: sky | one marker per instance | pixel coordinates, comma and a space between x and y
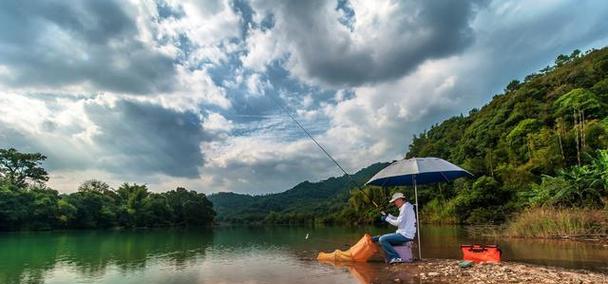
187, 93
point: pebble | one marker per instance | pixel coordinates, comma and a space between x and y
448, 271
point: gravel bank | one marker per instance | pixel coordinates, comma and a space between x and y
448, 271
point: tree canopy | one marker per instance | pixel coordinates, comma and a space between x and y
27, 203
20, 168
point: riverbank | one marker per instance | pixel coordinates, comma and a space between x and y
559, 223
448, 271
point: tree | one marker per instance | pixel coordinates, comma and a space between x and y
94, 185
561, 59
92, 210
512, 86
580, 100
18, 168
132, 200
189, 207
13, 207
43, 208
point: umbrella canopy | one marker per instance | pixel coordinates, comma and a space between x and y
416, 171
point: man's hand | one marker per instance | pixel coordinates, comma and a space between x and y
383, 216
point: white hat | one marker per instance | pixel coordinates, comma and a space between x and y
396, 196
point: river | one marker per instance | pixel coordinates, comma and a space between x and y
276, 254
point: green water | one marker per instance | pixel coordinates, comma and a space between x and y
238, 254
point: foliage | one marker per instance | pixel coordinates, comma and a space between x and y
19, 168
534, 145
580, 99
94, 185
559, 223
439, 211
94, 205
578, 186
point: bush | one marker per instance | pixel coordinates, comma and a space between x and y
553, 222
439, 211
580, 186
486, 202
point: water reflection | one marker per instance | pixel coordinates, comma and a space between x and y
26, 257
363, 272
241, 254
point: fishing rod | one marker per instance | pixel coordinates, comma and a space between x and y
351, 179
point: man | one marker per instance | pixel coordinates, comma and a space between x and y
406, 227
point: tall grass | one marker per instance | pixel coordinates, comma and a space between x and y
555, 223
438, 212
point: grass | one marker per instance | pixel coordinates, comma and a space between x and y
559, 223
438, 212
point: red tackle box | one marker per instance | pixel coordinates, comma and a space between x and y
481, 253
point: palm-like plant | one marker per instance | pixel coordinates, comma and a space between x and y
583, 186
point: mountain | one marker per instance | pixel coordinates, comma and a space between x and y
542, 142
305, 201
536, 144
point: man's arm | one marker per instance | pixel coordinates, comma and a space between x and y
395, 220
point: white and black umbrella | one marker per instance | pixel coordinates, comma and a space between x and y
417, 171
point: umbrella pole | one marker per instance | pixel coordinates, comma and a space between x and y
417, 220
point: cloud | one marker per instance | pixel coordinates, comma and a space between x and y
375, 121
259, 163
175, 93
125, 138
91, 43
384, 39
148, 138
378, 121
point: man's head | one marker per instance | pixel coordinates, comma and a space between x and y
397, 199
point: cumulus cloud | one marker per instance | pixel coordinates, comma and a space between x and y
376, 119
173, 93
384, 40
93, 43
382, 118
259, 163
148, 138
121, 137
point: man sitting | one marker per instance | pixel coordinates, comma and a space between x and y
406, 228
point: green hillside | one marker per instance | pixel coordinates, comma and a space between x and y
305, 202
539, 133
541, 143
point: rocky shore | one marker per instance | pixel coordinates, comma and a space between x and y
448, 271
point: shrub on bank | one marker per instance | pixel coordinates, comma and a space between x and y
438, 211
556, 223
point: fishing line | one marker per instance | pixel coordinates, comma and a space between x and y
286, 111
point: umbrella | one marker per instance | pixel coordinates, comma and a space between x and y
417, 171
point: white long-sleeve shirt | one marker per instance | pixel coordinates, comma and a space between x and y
405, 222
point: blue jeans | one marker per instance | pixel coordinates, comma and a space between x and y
387, 241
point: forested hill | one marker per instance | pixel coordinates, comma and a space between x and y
537, 144
304, 202
533, 126
542, 142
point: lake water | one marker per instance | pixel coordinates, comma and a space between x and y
240, 255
